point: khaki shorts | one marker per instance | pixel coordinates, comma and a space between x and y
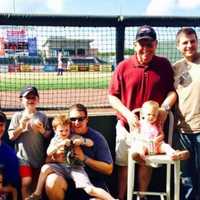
80, 178
78, 174
122, 145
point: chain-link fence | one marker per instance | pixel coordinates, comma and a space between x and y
71, 59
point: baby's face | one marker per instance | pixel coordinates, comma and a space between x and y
150, 114
63, 131
30, 101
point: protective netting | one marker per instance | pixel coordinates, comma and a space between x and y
30, 57
68, 64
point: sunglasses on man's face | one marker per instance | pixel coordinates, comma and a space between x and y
79, 119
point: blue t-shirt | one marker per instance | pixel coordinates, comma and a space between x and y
99, 151
9, 162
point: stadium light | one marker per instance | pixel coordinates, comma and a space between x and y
14, 6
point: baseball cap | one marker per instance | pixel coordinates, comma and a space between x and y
2, 117
146, 32
29, 89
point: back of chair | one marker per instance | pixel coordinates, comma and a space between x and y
170, 127
156, 160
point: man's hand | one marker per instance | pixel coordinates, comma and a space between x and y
79, 153
78, 141
83, 141
133, 120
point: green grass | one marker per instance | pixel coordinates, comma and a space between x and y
47, 81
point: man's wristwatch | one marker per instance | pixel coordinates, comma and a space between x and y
166, 107
84, 141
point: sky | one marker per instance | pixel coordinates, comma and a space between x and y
103, 7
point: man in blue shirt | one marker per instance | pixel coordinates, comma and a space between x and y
98, 160
9, 165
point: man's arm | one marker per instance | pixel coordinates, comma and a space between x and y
166, 106
99, 166
82, 141
102, 167
116, 103
170, 100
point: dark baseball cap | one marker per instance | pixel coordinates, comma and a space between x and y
29, 89
145, 32
2, 117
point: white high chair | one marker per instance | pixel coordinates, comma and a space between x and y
154, 160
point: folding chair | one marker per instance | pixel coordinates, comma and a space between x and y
152, 160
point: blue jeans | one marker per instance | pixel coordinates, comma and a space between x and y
190, 188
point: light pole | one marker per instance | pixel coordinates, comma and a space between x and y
14, 6
120, 11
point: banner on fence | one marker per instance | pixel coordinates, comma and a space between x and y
2, 47
32, 46
16, 35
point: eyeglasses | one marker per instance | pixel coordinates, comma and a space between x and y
79, 119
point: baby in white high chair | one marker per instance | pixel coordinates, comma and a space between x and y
149, 136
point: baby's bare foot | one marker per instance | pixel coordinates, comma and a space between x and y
137, 157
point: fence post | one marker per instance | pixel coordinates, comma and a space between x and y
120, 36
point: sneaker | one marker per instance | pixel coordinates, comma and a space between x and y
155, 165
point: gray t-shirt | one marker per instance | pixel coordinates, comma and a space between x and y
187, 84
30, 146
